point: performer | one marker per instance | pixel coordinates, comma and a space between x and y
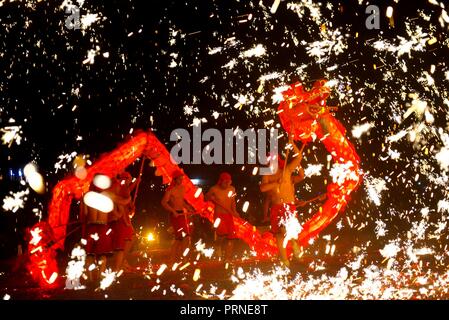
95, 231
127, 186
223, 196
281, 189
173, 201
119, 220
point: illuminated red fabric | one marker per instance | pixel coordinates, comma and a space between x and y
143, 144
325, 128
295, 120
42, 264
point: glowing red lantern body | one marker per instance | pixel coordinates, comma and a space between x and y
304, 116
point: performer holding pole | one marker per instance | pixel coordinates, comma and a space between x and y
95, 231
173, 201
223, 196
281, 188
122, 230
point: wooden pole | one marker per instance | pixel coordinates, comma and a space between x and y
138, 183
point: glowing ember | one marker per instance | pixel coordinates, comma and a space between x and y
108, 279
34, 178
75, 269
374, 187
313, 170
16, 201
292, 227
161, 269
201, 247
196, 275
102, 181
358, 131
150, 237
98, 201
245, 206
275, 6
217, 223
340, 172
11, 134
257, 51
198, 192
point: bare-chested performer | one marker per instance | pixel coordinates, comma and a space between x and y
96, 232
121, 232
124, 231
223, 196
280, 187
174, 202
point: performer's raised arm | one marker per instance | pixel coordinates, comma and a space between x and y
298, 178
297, 157
234, 206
